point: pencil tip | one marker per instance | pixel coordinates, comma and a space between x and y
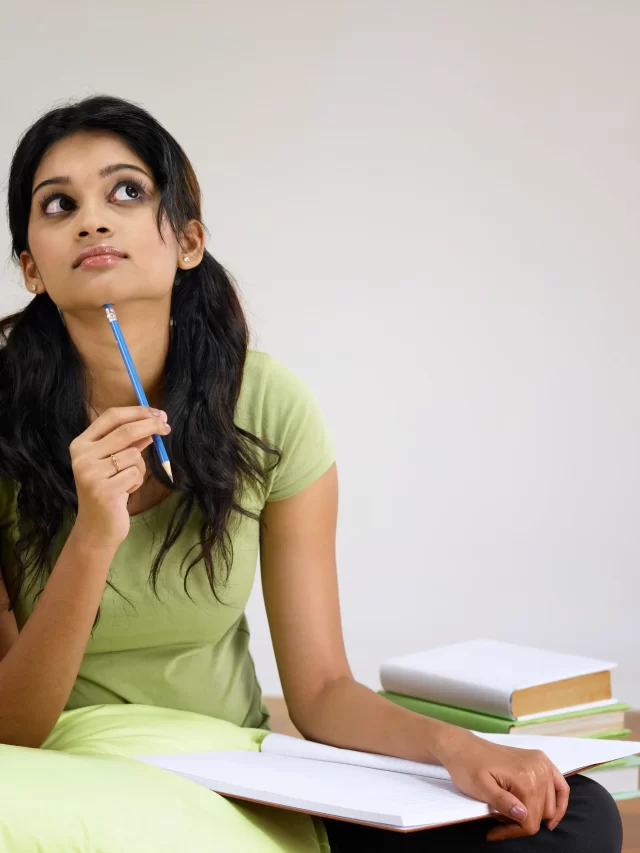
167, 468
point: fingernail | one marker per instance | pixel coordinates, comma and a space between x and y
519, 812
553, 825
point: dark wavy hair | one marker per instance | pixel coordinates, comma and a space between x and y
44, 382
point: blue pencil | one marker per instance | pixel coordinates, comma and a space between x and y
135, 381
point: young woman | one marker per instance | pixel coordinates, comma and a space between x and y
121, 586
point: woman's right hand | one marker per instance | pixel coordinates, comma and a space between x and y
103, 493
522, 785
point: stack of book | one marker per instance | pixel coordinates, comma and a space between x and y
496, 687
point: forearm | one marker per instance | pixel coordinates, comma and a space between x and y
38, 672
351, 716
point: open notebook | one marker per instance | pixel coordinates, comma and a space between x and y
364, 787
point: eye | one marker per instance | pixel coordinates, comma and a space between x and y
128, 185
137, 188
47, 200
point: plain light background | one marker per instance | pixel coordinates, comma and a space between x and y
432, 212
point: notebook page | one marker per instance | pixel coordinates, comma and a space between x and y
569, 753
571, 709
277, 744
378, 797
359, 793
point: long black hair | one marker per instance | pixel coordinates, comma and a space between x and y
44, 382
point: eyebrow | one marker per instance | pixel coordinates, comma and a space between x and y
103, 173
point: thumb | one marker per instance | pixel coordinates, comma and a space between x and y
507, 804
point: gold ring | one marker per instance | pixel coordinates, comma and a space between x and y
115, 463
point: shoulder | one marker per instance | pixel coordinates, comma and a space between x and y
262, 369
271, 389
258, 366
279, 406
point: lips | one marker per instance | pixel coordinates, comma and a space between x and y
96, 251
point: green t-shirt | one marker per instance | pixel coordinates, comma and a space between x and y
178, 653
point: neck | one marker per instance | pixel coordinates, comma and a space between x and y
147, 335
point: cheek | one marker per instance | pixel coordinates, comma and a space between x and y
152, 254
166, 237
162, 242
158, 270
152, 264
152, 250
49, 254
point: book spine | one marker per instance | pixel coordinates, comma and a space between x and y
621, 734
479, 722
630, 795
448, 714
446, 691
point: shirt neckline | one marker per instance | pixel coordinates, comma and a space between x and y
147, 513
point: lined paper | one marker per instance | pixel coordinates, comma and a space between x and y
382, 797
357, 793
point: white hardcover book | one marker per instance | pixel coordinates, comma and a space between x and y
483, 675
365, 787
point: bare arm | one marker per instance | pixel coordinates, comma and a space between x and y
299, 580
39, 669
8, 626
41, 664
325, 702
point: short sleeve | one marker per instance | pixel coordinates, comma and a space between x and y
298, 428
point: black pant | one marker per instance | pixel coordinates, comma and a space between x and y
591, 825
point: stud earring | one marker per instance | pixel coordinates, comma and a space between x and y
33, 287
186, 260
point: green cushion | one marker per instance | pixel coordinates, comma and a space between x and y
83, 793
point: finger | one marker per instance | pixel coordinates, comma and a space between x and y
115, 417
144, 442
531, 825
532, 792
549, 810
562, 797
128, 480
509, 830
532, 800
123, 459
127, 434
138, 445
507, 804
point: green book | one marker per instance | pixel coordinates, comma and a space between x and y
630, 795
612, 735
484, 723
629, 761
599, 774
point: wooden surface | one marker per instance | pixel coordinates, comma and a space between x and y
280, 721
629, 809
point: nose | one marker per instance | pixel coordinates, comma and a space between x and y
102, 229
91, 218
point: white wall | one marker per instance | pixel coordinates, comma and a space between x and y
432, 210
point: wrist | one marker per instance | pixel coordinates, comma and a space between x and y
426, 738
90, 545
449, 741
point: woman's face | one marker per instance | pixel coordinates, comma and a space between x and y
92, 208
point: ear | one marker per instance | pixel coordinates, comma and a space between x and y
32, 280
191, 246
